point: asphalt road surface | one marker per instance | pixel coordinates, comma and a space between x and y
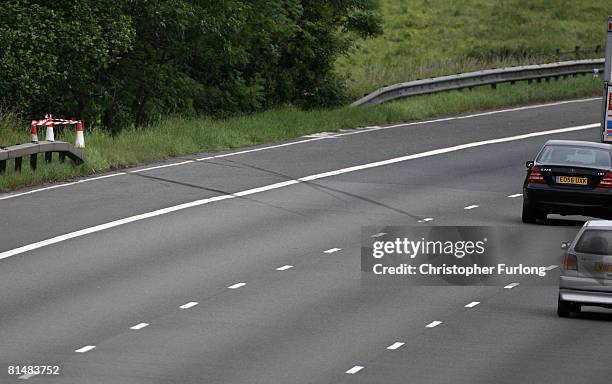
244, 266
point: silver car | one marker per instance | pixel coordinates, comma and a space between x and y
586, 276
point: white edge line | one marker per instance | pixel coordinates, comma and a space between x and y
433, 324
175, 208
10, 196
162, 166
440, 120
353, 132
189, 305
258, 149
84, 349
355, 369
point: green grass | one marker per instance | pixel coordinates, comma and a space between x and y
176, 136
427, 38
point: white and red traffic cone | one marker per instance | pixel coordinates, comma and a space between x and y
49, 136
80, 136
34, 132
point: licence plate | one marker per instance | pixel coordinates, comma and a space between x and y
603, 267
572, 180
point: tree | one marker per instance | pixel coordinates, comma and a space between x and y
129, 62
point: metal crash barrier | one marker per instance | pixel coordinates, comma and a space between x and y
64, 149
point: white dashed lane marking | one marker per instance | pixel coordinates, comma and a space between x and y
551, 267
433, 324
380, 234
284, 267
84, 349
27, 376
139, 326
471, 207
395, 345
189, 305
237, 285
472, 304
516, 195
510, 286
332, 250
355, 369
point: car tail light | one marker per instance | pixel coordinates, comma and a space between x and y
535, 175
606, 182
570, 262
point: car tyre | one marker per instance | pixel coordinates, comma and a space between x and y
530, 215
563, 308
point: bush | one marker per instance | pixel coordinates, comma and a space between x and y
121, 63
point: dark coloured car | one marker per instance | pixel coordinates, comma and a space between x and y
569, 178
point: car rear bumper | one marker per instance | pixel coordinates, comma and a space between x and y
594, 202
586, 297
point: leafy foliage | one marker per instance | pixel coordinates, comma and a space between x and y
119, 63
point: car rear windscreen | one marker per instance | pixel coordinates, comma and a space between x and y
595, 241
574, 155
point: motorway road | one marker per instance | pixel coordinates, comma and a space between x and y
273, 274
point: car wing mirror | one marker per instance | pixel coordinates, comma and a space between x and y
529, 164
565, 244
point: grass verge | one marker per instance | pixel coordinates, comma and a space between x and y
428, 38
176, 137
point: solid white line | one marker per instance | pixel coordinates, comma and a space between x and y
395, 345
84, 349
162, 166
516, 195
357, 130
355, 369
163, 211
433, 324
61, 185
472, 304
284, 267
27, 376
471, 207
237, 285
369, 129
551, 267
189, 305
258, 149
380, 234
139, 326
332, 250
510, 286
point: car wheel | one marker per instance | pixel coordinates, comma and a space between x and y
563, 308
529, 215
